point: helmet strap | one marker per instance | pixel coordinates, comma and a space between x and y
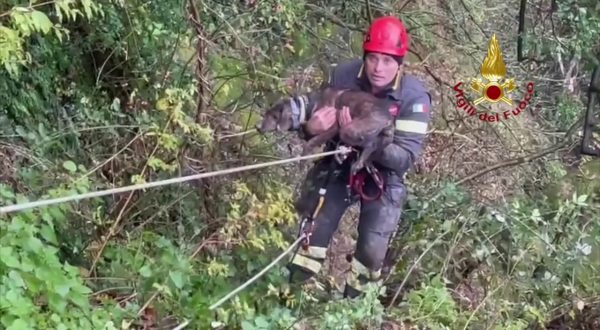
397, 80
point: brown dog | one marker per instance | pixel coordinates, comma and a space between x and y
371, 127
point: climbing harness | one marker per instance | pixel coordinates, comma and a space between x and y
357, 182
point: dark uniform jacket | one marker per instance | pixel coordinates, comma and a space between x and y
411, 123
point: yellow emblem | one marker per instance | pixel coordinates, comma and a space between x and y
494, 70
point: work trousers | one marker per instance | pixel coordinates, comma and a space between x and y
377, 224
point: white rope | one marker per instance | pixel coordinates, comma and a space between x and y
250, 281
261, 273
182, 325
24, 206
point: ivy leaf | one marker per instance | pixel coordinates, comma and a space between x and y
16, 279
146, 271
33, 244
57, 303
56, 213
6, 192
62, 289
70, 166
177, 278
248, 326
262, 322
48, 234
80, 299
18, 324
8, 258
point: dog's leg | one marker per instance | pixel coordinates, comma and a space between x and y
319, 140
363, 159
386, 137
371, 145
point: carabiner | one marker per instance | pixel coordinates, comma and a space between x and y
307, 232
377, 177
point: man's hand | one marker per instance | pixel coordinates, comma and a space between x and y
321, 120
344, 117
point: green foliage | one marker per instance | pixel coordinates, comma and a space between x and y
584, 27
277, 318
99, 94
568, 109
432, 305
39, 290
354, 314
27, 21
529, 255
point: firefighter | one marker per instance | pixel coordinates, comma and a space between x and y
379, 71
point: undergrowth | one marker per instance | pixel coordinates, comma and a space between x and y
102, 94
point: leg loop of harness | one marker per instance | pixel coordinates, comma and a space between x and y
357, 182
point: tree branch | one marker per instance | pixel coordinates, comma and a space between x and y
333, 18
200, 60
369, 13
525, 159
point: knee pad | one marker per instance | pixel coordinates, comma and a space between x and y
310, 260
298, 274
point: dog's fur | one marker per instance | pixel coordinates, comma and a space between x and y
371, 127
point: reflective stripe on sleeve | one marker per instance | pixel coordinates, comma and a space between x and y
411, 126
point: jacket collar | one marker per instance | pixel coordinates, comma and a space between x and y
391, 90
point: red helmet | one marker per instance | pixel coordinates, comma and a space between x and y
387, 35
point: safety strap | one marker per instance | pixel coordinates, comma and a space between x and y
357, 182
307, 224
320, 203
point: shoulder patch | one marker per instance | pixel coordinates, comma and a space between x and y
420, 108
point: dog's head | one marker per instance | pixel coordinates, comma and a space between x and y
277, 118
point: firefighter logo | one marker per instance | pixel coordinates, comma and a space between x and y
494, 70
494, 88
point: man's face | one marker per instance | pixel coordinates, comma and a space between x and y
381, 69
